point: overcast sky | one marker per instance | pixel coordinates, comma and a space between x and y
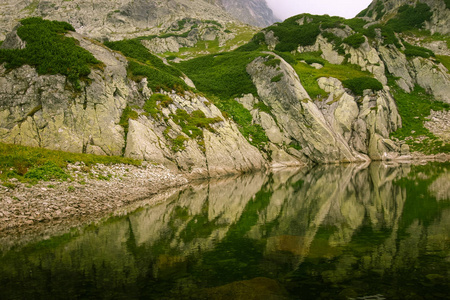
345, 8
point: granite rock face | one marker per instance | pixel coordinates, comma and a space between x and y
119, 19
44, 111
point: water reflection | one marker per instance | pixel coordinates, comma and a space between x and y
335, 232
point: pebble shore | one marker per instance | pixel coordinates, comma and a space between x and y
86, 196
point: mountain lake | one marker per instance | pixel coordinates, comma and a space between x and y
374, 231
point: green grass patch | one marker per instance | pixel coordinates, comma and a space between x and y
192, 125
46, 172
309, 75
50, 52
127, 114
445, 60
254, 133
359, 84
155, 103
17, 161
414, 108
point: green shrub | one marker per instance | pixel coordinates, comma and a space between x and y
46, 172
156, 79
291, 34
410, 17
359, 84
159, 75
288, 57
355, 40
49, 51
272, 62
255, 43
223, 75
311, 61
447, 4
356, 24
412, 51
362, 13
379, 8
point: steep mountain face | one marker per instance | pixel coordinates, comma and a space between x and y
254, 12
384, 10
112, 20
119, 19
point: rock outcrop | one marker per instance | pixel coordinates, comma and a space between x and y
44, 111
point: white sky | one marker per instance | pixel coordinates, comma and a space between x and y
345, 8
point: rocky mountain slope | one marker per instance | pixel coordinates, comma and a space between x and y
119, 19
313, 89
383, 10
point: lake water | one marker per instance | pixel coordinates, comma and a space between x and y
332, 232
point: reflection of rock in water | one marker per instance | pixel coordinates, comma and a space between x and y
286, 219
441, 187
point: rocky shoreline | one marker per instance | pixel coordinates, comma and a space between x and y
83, 198
104, 190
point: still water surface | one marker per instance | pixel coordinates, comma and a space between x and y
333, 232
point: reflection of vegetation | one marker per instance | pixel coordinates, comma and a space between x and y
421, 205
187, 252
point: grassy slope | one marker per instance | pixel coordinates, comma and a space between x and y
30, 164
414, 108
222, 78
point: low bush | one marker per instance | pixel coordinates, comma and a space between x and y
355, 40
410, 17
413, 51
50, 51
144, 64
359, 84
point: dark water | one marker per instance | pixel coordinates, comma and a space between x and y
334, 232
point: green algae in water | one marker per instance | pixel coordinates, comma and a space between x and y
335, 232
